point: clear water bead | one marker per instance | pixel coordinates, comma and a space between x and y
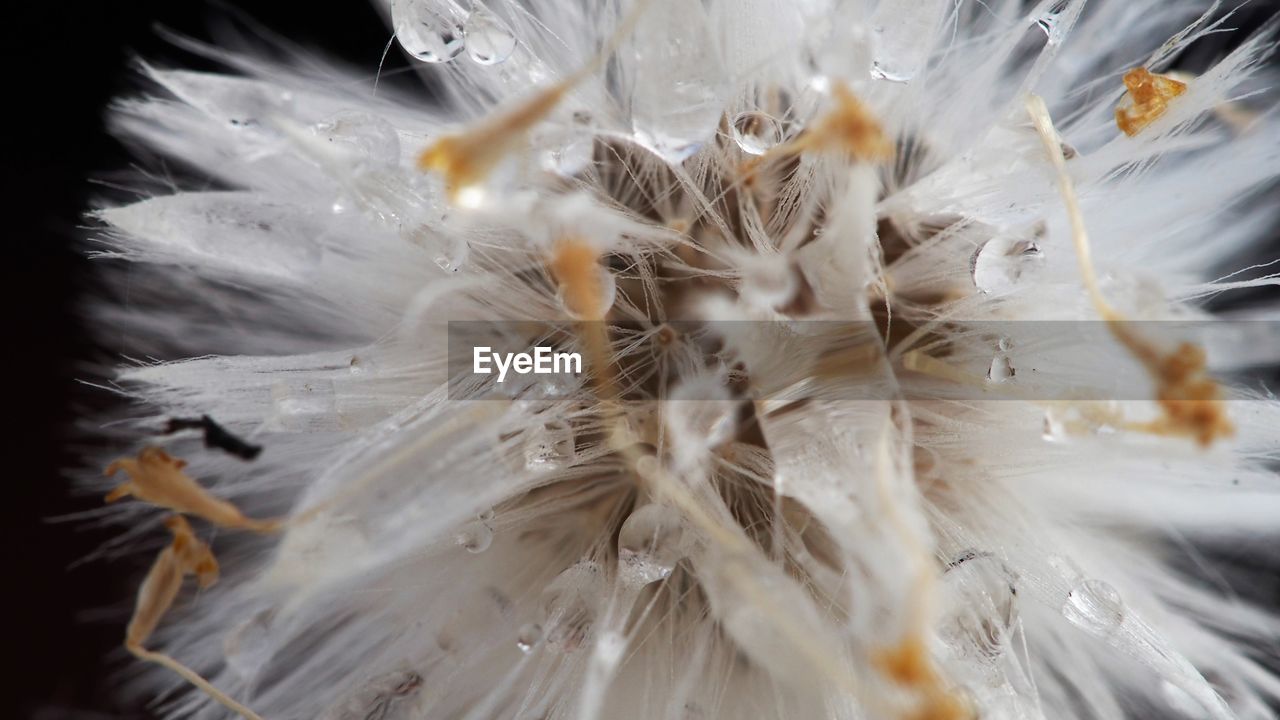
1000, 264
980, 604
1001, 369
387, 697
902, 37
756, 133
570, 157
569, 605
489, 39
528, 636
1095, 607
301, 404
882, 70
652, 540
1065, 420
474, 537
364, 140
1051, 21
648, 466
677, 94
453, 256
1055, 428
429, 30
768, 281
247, 648
549, 447
701, 416
610, 648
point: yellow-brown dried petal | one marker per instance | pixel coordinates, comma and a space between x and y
1148, 99
185, 555
467, 158
157, 477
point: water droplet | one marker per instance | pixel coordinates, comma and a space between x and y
1000, 264
359, 365
381, 698
549, 447
610, 647
1001, 369
1064, 567
1055, 429
1065, 420
1095, 607
1004, 344
528, 636
701, 416
648, 466
755, 132
881, 71
1050, 22
247, 648
570, 156
300, 404
607, 288
474, 537
836, 42
453, 257
980, 604
489, 39
768, 281
652, 540
430, 31
676, 98
486, 515
902, 37
360, 138
569, 605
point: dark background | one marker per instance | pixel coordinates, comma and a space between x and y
65, 60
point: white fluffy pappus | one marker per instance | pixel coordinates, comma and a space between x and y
770, 227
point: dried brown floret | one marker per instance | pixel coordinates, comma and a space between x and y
1189, 399
156, 477
185, 555
1148, 99
466, 158
849, 129
576, 266
910, 665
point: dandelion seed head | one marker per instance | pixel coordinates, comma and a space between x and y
773, 230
